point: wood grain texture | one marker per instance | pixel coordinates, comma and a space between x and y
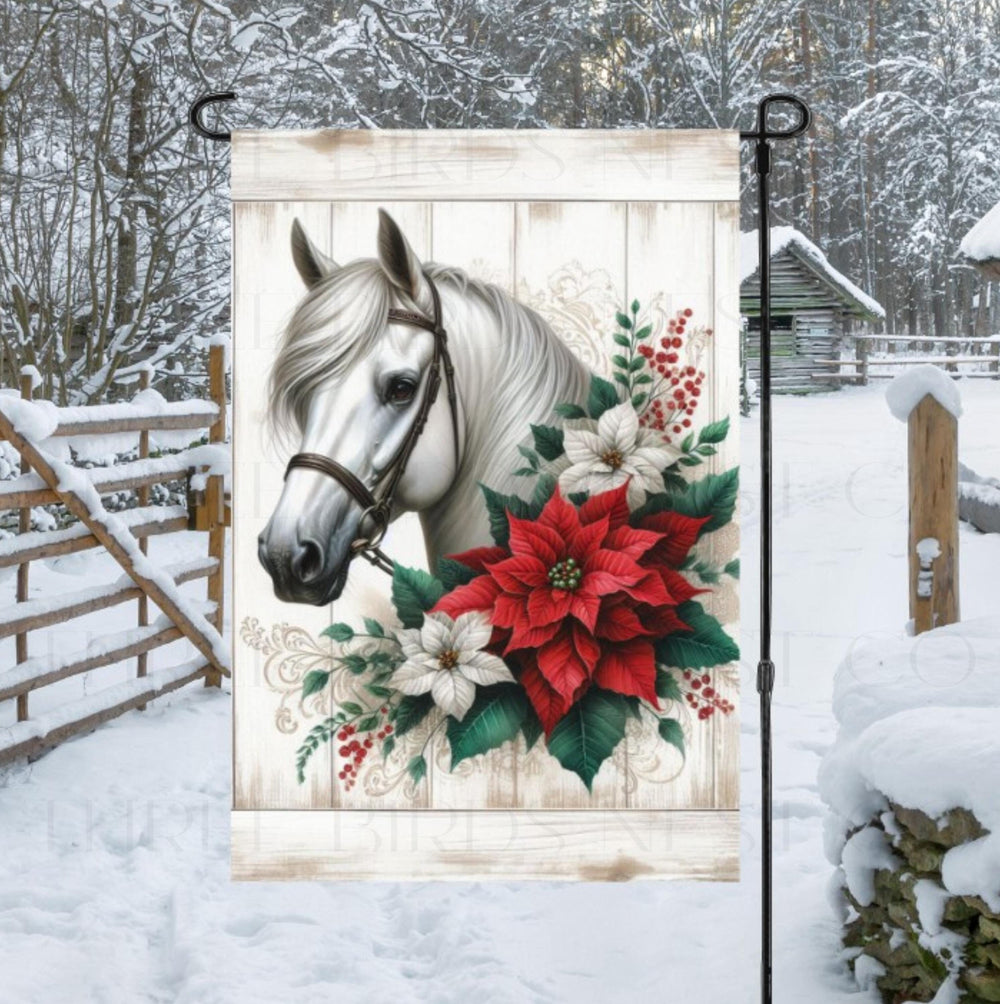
597, 846
461, 164
933, 480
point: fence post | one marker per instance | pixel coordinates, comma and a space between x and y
215, 499
861, 350
933, 482
23, 526
142, 494
995, 362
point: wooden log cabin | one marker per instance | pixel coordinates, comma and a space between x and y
814, 311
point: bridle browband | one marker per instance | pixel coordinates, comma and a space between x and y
379, 508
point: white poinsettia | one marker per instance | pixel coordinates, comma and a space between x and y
605, 454
445, 657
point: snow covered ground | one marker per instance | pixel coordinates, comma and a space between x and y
114, 875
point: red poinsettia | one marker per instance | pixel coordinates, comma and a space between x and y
580, 597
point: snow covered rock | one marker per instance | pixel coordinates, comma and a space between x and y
913, 784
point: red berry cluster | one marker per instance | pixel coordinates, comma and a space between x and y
355, 749
703, 697
675, 397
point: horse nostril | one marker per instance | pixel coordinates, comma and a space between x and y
307, 562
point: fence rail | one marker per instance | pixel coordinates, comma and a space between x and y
957, 351
45, 480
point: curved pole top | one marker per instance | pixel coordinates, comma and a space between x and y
194, 115
762, 132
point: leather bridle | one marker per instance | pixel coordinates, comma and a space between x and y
378, 508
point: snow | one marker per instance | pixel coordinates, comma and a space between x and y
36, 377
794, 241
982, 242
864, 854
911, 386
115, 866
928, 549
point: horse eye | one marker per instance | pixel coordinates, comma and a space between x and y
400, 390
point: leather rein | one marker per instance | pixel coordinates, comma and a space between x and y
378, 508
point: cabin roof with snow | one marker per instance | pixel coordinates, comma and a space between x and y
813, 307
801, 276
982, 243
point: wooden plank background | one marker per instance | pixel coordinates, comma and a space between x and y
575, 260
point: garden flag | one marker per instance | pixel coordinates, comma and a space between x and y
486, 559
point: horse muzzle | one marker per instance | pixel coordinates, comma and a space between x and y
303, 572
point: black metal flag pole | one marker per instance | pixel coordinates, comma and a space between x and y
761, 137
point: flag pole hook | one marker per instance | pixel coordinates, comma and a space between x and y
199, 105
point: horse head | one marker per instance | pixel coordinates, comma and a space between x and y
349, 381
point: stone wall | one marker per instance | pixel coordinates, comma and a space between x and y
911, 962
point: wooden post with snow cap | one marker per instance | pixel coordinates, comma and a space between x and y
927, 399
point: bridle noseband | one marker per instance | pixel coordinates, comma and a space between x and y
378, 508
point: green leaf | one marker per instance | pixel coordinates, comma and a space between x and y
315, 680
529, 455
525, 472
417, 769
413, 592
351, 708
733, 568
713, 496
705, 450
621, 339
667, 686
637, 364
670, 731
339, 632
715, 432
453, 573
703, 646
495, 717
531, 729
643, 378
644, 332
497, 506
687, 442
544, 490
388, 745
635, 306
570, 410
602, 397
378, 690
357, 664
620, 361
548, 441
638, 400
373, 627
578, 498
588, 733
624, 321
410, 712
622, 379
690, 462
368, 723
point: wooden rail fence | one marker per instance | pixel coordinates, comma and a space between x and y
984, 352
46, 480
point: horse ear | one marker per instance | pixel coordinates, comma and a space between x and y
312, 264
401, 264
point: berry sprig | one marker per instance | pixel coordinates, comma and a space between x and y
702, 697
678, 383
357, 739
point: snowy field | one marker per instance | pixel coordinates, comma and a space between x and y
114, 874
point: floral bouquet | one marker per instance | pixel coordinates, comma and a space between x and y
584, 611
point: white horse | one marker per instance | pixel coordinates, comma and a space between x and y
349, 381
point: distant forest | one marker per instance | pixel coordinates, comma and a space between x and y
114, 240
